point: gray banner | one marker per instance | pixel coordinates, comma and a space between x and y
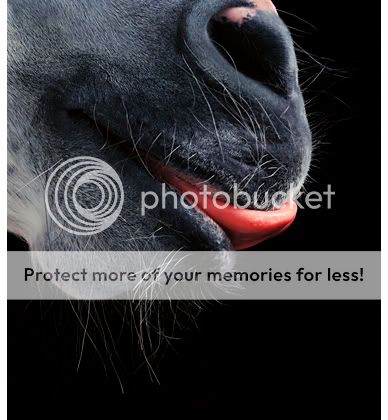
193, 275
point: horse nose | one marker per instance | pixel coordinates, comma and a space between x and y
246, 47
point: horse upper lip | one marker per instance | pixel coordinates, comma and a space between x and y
244, 228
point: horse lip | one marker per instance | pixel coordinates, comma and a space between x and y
244, 227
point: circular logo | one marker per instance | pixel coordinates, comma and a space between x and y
84, 195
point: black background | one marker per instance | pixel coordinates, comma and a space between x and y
276, 358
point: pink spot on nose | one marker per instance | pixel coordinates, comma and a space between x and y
240, 14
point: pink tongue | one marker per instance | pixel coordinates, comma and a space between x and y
245, 228
239, 14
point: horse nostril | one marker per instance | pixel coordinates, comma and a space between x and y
256, 43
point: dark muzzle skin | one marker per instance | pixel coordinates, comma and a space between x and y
208, 87
243, 70
248, 53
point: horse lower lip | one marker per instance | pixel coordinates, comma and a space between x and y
244, 227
